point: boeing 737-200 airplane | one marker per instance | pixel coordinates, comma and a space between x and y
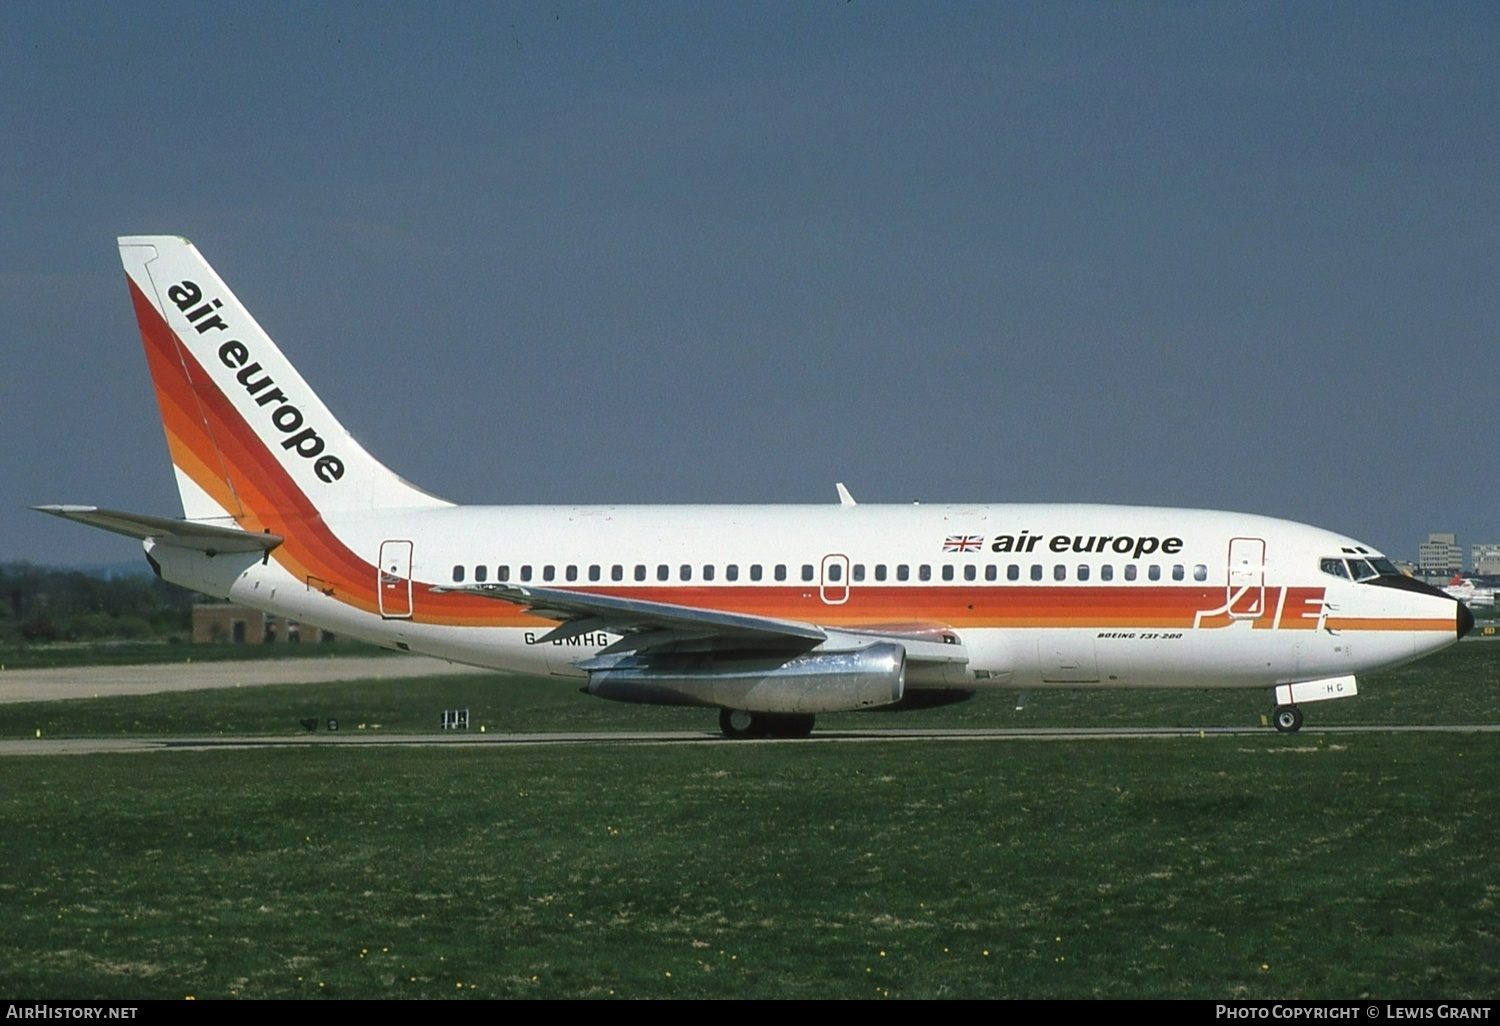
770, 614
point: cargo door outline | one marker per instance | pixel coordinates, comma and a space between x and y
833, 579
1067, 657
1245, 587
393, 583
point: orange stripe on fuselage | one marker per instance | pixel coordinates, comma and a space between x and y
1390, 623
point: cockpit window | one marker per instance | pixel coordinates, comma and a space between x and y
1349, 567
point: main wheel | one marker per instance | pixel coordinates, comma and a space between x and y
1287, 718
739, 725
790, 724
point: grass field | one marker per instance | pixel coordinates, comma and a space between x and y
1229, 866
1459, 685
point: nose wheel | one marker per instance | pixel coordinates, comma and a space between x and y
1287, 719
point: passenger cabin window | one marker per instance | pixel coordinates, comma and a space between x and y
572, 572
924, 572
835, 572
1154, 572
947, 571
992, 572
1200, 572
596, 572
458, 575
1013, 572
1107, 572
732, 572
526, 572
1178, 573
663, 572
1130, 571
640, 571
807, 571
903, 572
971, 572
549, 572
1059, 573
708, 571
617, 572
481, 574
1036, 571
880, 571
780, 573
859, 571
755, 571
1083, 571
502, 572
685, 572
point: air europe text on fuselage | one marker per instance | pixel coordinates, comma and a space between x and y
1122, 544
234, 354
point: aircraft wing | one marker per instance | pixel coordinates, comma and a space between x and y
189, 534
646, 624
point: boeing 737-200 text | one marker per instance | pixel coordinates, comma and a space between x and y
770, 614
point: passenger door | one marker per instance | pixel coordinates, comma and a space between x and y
1245, 592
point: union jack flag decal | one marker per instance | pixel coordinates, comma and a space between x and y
963, 543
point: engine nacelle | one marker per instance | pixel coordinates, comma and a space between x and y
811, 682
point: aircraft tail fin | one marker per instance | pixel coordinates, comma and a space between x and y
248, 438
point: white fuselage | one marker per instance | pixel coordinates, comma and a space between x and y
1040, 596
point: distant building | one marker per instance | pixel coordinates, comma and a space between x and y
1485, 558
218, 623
1440, 554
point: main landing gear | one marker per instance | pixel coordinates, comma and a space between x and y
1287, 719
739, 725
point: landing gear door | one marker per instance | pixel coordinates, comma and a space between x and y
393, 584
1245, 593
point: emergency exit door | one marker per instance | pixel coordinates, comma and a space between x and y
393, 585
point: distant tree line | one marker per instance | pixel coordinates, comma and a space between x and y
39, 604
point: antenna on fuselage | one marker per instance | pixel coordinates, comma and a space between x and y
845, 499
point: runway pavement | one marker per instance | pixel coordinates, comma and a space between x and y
472, 739
97, 681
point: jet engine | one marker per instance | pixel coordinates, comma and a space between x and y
806, 682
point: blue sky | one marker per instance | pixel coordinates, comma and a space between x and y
1236, 256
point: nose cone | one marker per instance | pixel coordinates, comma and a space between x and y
1465, 620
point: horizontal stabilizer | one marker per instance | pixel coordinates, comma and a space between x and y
209, 538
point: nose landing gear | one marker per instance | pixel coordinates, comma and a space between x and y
1287, 719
